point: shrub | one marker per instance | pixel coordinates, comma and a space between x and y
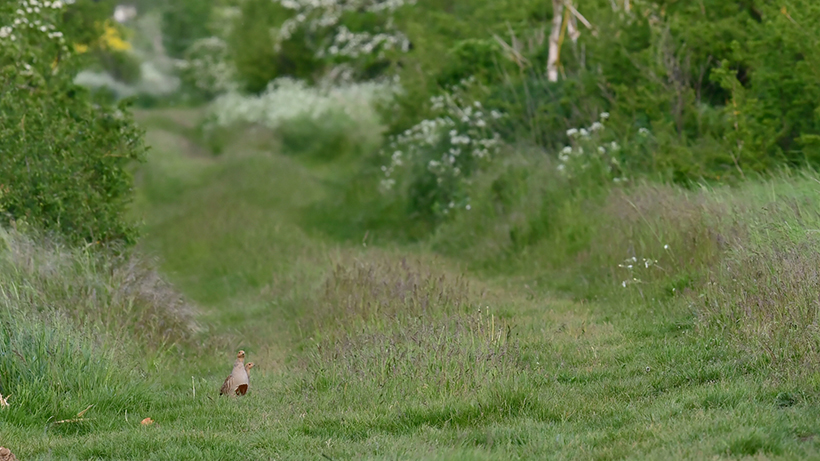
65, 159
254, 51
432, 162
183, 23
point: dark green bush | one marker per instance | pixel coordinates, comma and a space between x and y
254, 53
183, 22
64, 159
121, 65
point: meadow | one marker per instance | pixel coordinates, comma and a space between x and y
462, 230
381, 347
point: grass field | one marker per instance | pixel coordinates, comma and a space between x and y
369, 347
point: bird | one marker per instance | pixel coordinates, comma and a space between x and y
237, 382
241, 390
7, 455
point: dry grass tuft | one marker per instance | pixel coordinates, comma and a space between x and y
123, 295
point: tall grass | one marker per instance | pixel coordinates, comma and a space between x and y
743, 257
79, 329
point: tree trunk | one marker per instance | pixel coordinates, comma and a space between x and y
554, 42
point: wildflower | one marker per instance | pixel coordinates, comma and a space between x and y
566, 150
604, 115
468, 207
597, 126
5, 31
572, 132
666, 247
601, 150
584, 133
643, 132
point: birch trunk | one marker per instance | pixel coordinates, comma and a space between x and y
555, 37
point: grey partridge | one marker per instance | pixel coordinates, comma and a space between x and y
237, 382
248, 367
6, 455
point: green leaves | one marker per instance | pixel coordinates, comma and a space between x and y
64, 160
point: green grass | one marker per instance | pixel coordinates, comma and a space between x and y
441, 349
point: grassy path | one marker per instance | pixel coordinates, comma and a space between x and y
393, 353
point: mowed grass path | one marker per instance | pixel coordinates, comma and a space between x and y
391, 352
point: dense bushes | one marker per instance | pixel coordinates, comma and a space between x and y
65, 159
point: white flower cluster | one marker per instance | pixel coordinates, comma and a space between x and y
34, 16
353, 45
207, 64
327, 14
452, 145
635, 267
587, 149
287, 99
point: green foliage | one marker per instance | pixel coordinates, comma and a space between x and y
83, 21
122, 65
183, 22
728, 89
253, 50
65, 159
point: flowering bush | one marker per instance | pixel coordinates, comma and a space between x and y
595, 154
64, 159
588, 153
329, 15
435, 158
288, 99
207, 67
24, 28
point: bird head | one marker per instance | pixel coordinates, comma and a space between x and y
240, 355
250, 365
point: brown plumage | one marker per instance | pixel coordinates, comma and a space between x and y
237, 382
7, 455
243, 388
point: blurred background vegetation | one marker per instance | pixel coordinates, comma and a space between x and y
667, 173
